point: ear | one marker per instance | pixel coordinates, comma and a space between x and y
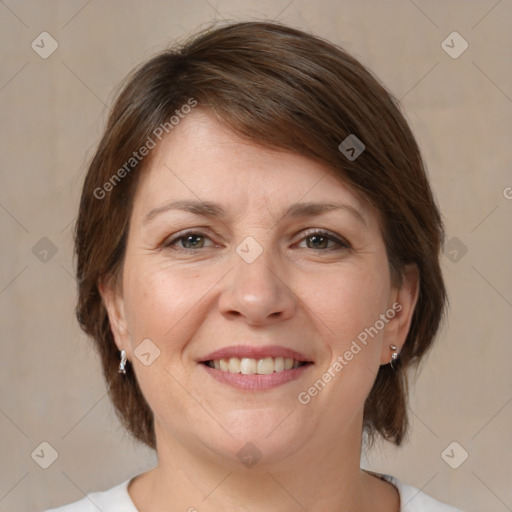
112, 296
403, 301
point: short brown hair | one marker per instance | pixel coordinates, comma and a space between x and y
283, 89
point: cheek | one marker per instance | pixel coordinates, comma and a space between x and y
348, 301
162, 303
346, 305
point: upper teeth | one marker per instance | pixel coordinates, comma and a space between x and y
250, 366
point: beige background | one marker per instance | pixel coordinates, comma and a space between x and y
53, 111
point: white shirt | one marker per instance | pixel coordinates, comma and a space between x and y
117, 499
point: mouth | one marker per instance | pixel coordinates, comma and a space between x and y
251, 366
255, 368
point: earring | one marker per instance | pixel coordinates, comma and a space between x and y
394, 355
122, 364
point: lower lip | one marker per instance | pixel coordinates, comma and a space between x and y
256, 382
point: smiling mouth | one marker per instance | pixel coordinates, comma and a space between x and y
250, 366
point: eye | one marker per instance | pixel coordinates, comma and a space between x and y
316, 239
191, 240
320, 239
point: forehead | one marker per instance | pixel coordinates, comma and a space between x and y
201, 159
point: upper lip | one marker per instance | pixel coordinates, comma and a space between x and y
254, 352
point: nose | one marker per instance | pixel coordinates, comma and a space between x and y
258, 291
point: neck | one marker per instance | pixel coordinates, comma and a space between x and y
315, 478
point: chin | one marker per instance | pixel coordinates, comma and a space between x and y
259, 437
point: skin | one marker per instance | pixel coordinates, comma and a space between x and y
310, 295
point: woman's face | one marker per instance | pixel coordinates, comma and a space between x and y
236, 270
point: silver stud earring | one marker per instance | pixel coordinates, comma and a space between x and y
394, 355
122, 364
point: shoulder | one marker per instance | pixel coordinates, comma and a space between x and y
414, 500
116, 499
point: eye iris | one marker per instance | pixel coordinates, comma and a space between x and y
317, 238
190, 238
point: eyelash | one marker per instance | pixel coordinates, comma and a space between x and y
343, 244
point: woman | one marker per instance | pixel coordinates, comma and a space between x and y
257, 255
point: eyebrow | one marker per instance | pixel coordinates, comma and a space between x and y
209, 209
